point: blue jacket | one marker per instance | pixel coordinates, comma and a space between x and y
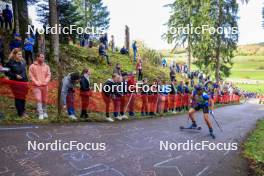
7, 14
15, 44
29, 43
134, 46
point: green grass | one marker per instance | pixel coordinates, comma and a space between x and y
254, 149
259, 88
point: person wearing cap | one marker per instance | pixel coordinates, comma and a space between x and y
201, 101
67, 93
16, 42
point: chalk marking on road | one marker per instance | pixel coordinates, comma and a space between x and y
5, 170
202, 171
228, 150
31, 135
19, 128
104, 168
168, 160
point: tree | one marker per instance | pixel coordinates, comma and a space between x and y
94, 13
54, 48
215, 50
67, 15
181, 19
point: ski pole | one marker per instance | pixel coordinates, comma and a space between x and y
216, 122
128, 101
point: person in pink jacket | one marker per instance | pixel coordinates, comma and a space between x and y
39, 73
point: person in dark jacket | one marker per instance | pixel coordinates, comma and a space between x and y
84, 92
109, 94
103, 53
8, 17
18, 74
172, 95
135, 50
1, 51
16, 42
123, 50
144, 97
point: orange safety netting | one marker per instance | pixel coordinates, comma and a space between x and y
96, 101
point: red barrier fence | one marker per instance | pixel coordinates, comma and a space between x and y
96, 101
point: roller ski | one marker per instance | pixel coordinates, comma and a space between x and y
192, 127
211, 133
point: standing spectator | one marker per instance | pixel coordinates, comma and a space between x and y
28, 48
164, 62
112, 43
17, 73
16, 42
104, 40
131, 102
109, 95
84, 92
67, 93
102, 52
134, 46
8, 17
144, 97
1, 20
117, 69
1, 51
40, 75
139, 70
172, 95
172, 72
123, 104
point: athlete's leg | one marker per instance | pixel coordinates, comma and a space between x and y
191, 116
207, 121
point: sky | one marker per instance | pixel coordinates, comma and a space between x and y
146, 19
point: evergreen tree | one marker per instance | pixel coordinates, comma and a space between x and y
94, 13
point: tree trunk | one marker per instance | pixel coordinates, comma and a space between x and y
189, 37
15, 12
127, 38
23, 17
54, 48
218, 49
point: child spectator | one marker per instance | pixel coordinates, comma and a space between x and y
85, 88
67, 93
17, 73
40, 75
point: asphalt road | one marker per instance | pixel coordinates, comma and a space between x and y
132, 148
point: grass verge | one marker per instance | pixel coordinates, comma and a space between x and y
254, 150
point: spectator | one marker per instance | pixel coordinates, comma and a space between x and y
104, 40
117, 69
134, 47
123, 104
8, 16
85, 88
144, 97
28, 48
112, 43
172, 72
1, 51
164, 62
17, 73
109, 95
40, 75
131, 104
139, 70
172, 95
16, 42
123, 50
1, 20
67, 93
102, 52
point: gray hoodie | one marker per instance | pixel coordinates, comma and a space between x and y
67, 85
